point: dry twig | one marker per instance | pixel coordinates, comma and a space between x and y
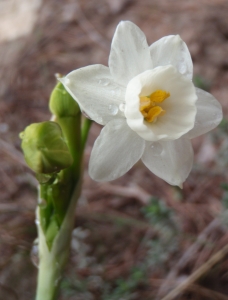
210, 294
198, 273
188, 255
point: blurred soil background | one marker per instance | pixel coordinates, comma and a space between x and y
136, 237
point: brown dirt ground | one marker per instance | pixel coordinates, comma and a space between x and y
71, 34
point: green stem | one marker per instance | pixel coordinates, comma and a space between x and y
48, 275
52, 262
85, 131
71, 127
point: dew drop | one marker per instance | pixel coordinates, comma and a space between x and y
103, 82
34, 253
116, 92
182, 68
113, 109
122, 107
99, 120
42, 203
156, 149
37, 222
67, 81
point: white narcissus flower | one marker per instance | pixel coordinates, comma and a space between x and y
148, 104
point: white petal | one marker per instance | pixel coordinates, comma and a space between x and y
96, 92
115, 151
208, 116
180, 106
130, 54
169, 160
172, 50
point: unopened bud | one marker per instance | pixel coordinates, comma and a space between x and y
61, 103
45, 149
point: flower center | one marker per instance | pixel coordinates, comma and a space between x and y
149, 105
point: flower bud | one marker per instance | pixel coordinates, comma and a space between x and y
45, 149
61, 103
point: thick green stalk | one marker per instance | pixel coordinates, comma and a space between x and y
52, 261
55, 220
85, 130
71, 127
49, 272
54, 258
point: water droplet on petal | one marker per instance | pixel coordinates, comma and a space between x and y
156, 148
113, 109
98, 120
34, 253
122, 107
37, 222
182, 68
104, 82
116, 92
67, 81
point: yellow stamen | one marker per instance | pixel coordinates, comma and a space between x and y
145, 103
154, 112
148, 105
159, 96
